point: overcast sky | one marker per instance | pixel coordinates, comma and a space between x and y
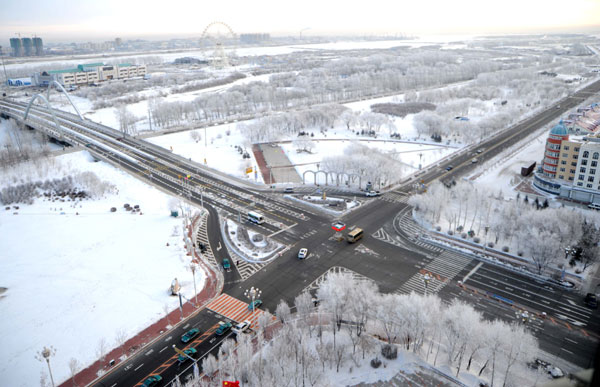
82, 20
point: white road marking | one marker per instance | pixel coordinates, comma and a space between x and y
572, 341
163, 349
168, 338
186, 326
567, 351
219, 247
149, 352
114, 385
138, 367
282, 230
472, 272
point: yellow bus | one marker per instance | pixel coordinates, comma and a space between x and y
354, 235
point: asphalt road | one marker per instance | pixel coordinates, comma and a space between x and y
390, 265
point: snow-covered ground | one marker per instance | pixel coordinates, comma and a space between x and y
259, 250
73, 280
216, 149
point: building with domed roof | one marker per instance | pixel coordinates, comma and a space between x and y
571, 165
552, 154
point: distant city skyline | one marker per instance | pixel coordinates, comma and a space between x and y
77, 21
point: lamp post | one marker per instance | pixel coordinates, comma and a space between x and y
487, 228
46, 354
193, 270
253, 294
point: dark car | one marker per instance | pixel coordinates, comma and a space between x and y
256, 303
192, 352
223, 328
449, 168
152, 381
591, 300
288, 190
189, 335
226, 264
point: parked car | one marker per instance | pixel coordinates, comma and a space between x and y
591, 300
224, 327
474, 161
152, 381
371, 193
189, 335
256, 303
226, 264
288, 190
242, 327
303, 253
449, 168
479, 151
192, 352
555, 372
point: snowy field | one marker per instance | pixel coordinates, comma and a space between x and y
94, 273
219, 153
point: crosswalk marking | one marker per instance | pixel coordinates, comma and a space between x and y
234, 309
441, 270
394, 197
316, 284
384, 236
202, 236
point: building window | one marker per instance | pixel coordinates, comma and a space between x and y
594, 163
592, 171
581, 177
580, 184
565, 155
573, 163
570, 178
562, 169
589, 186
574, 157
582, 170
572, 171
561, 177
591, 178
586, 154
596, 155
576, 149
564, 162
566, 147
583, 162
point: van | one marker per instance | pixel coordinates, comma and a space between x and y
354, 235
594, 206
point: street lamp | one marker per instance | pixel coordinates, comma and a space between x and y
46, 354
193, 270
253, 294
426, 278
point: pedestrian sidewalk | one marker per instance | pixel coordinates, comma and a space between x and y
213, 286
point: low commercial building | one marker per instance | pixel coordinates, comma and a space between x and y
89, 74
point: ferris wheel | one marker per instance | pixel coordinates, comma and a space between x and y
214, 37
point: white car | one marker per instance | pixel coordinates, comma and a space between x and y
371, 193
303, 253
242, 327
474, 161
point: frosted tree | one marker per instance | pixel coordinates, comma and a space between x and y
121, 339
282, 312
74, 368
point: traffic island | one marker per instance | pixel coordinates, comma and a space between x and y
250, 245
